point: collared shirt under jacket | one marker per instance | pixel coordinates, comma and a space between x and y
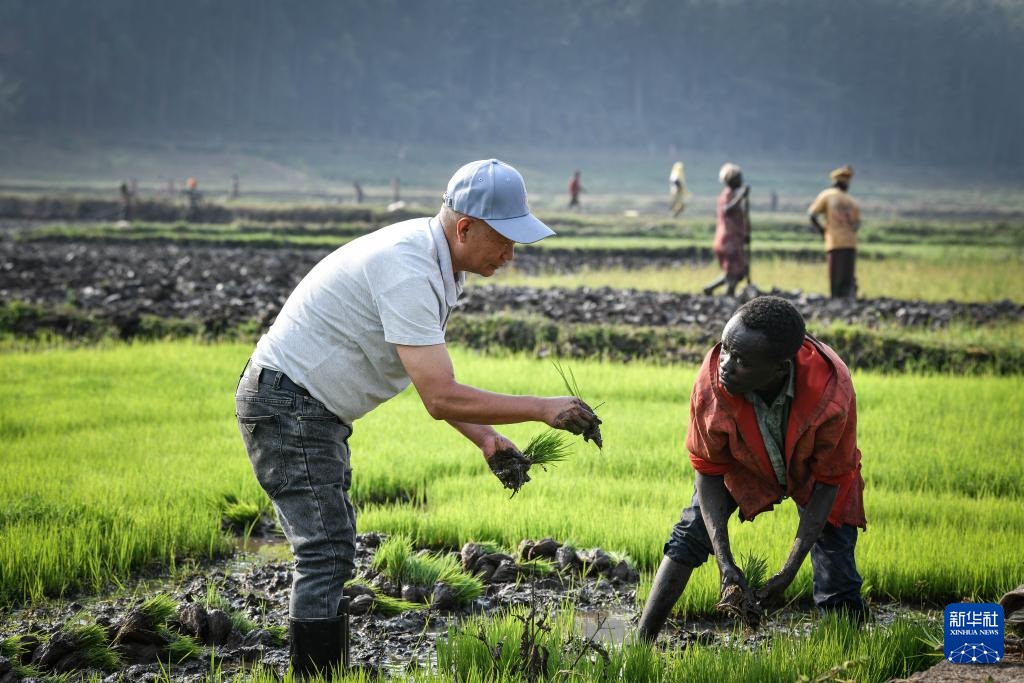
820, 443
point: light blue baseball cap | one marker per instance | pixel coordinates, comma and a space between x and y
494, 192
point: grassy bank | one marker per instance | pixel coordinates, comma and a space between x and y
115, 455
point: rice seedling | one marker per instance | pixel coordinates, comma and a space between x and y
538, 566
754, 568
77, 523
396, 560
181, 647
213, 599
239, 515
392, 556
592, 433
14, 649
278, 633
240, 622
158, 609
93, 646
484, 649
548, 448
388, 606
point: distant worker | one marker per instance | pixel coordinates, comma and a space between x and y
732, 230
677, 186
842, 220
234, 187
126, 202
775, 200
575, 187
193, 196
358, 189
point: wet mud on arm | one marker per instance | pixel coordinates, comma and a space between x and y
714, 507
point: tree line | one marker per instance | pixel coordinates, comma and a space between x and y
932, 81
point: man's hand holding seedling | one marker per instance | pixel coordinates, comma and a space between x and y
506, 462
574, 416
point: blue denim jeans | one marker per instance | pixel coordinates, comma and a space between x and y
836, 581
299, 453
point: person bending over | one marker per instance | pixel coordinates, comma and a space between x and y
773, 415
365, 322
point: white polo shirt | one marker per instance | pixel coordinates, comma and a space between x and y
336, 333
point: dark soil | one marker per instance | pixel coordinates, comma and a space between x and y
260, 590
226, 286
510, 466
740, 604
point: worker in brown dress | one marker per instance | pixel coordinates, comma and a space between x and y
732, 230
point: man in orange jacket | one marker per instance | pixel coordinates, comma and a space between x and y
773, 415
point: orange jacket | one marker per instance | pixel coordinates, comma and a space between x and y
821, 437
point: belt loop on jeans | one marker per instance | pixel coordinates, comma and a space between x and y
277, 379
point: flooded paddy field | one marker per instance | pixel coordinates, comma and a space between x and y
124, 477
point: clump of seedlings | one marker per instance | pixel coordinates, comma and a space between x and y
436, 578
593, 431
550, 447
547, 448
236, 515
93, 647
144, 634
17, 649
742, 604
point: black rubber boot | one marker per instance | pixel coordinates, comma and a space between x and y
712, 286
320, 646
668, 585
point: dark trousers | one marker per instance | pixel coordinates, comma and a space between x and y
836, 580
299, 453
842, 264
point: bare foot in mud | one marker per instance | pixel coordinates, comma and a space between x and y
510, 467
580, 418
740, 604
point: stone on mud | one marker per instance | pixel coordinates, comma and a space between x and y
444, 597
354, 590
567, 559
360, 605
598, 560
59, 646
470, 555
192, 621
218, 627
545, 548
414, 593
505, 572
623, 572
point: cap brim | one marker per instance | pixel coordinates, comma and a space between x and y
523, 229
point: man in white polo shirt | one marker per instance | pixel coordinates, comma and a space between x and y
365, 321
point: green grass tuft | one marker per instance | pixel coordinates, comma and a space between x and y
538, 566
548, 448
94, 647
755, 569
396, 560
183, 647
158, 609
390, 607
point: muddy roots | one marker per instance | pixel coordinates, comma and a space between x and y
740, 604
510, 467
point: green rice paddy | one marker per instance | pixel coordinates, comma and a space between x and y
115, 458
120, 457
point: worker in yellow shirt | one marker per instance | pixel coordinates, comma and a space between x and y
842, 220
